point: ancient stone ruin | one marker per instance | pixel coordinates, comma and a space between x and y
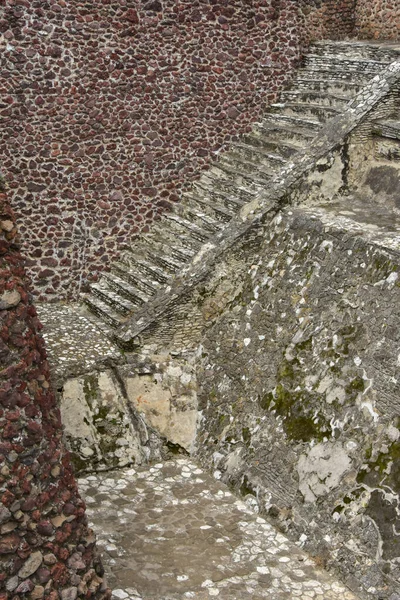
207, 196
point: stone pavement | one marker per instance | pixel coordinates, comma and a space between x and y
171, 531
74, 344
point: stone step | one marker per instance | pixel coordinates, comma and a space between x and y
389, 128
211, 207
319, 74
203, 219
315, 98
387, 140
220, 182
187, 227
165, 262
337, 63
145, 267
340, 87
357, 49
118, 303
135, 277
103, 311
166, 242
239, 160
256, 153
307, 124
172, 235
286, 149
285, 133
238, 173
231, 201
126, 290
301, 110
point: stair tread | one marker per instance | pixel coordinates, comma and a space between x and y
115, 317
320, 94
140, 261
228, 197
131, 289
259, 150
212, 205
112, 296
127, 270
233, 170
187, 224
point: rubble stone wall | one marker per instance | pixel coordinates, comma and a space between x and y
378, 19
299, 391
46, 548
110, 109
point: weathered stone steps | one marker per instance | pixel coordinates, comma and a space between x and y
340, 87
339, 63
389, 128
358, 49
330, 78
319, 98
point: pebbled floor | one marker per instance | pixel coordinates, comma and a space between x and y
171, 531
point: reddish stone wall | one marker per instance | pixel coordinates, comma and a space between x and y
378, 19
46, 548
109, 108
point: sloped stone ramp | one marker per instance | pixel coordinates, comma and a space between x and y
170, 531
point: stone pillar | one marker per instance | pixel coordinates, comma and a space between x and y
46, 548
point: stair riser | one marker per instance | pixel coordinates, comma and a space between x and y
124, 293
339, 89
320, 100
183, 233
253, 155
113, 303
192, 214
288, 135
145, 271
207, 207
189, 245
327, 75
300, 122
242, 179
277, 147
130, 278
232, 201
321, 114
226, 187
102, 314
387, 149
361, 51
342, 66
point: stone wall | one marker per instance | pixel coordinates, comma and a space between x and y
46, 548
110, 109
378, 19
299, 390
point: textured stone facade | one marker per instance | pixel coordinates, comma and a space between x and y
299, 390
46, 547
109, 109
378, 19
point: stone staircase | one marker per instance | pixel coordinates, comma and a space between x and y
332, 75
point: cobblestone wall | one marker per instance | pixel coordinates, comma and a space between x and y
46, 548
299, 391
109, 108
378, 19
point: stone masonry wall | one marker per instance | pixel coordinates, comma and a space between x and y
46, 548
109, 109
299, 391
378, 19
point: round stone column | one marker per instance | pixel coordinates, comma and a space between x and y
46, 548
